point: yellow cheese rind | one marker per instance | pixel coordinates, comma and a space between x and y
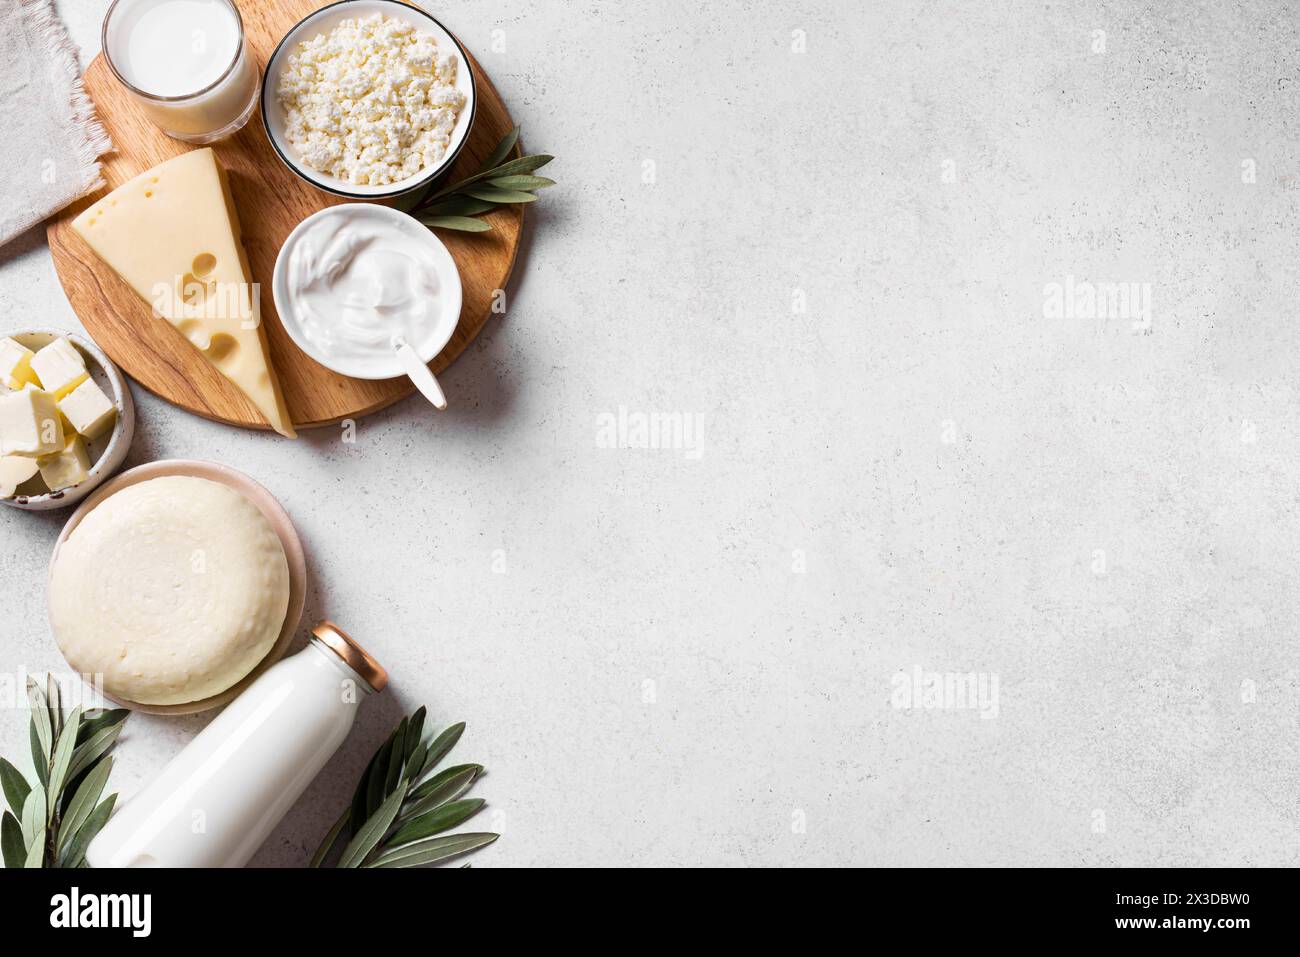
172, 234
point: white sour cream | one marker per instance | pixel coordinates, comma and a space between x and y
359, 279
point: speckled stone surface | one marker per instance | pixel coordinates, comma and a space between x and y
843, 245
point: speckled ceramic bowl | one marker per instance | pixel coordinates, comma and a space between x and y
108, 452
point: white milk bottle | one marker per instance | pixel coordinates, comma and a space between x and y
219, 799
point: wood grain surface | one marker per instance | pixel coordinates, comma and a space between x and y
271, 201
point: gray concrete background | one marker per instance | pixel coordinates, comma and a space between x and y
827, 231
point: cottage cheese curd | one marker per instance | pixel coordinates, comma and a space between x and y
371, 102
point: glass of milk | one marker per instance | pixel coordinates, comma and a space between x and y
185, 62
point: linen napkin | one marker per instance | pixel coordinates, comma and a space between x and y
52, 140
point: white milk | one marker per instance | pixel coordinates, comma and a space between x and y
185, 62
220, 797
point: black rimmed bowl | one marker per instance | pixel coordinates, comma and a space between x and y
324, 20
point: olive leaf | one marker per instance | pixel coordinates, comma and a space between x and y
15, 786
498, 182
96, 720
34, 827
440, 748
52, 705
40, 712
434, 850
516, 167
318, 858
435, 822
375, 790
416, 747
358, 810
414, 731
372, 832
92, 749
52, 820
33, 819
75, 854
396, 757
442, 787
83, 802
40, 757
503, 149
35, 853
491, 194
61, 761
42, 732
463, 224
463, 206
522, 182
413, 808
11, 841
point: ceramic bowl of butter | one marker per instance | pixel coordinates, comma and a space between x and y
368, 99
66, 419
173, 587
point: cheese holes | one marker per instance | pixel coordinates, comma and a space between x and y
192, 330
193, 291
203, 265
223, 347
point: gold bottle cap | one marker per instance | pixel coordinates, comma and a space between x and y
354, 656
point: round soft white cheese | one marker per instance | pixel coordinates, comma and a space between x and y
173, 589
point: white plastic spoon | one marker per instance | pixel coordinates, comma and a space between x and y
419, 373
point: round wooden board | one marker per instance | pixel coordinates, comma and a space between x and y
271, 201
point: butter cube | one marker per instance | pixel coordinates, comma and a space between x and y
30, 424
16, 364
66, 468
68, 428
14, 471
60, 367
88, 410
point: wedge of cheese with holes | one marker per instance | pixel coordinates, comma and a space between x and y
173, 234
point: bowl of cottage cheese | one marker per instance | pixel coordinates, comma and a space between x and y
368, 99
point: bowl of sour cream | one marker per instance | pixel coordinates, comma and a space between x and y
370, 293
